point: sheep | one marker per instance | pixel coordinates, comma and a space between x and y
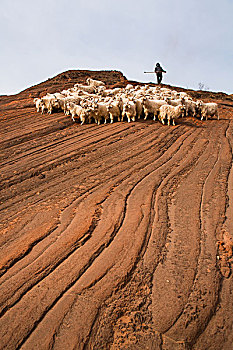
171, 112
86, 102
82, 94
139, 93
174, 94
151, 106
38, 104
95, 101
109, 92
75, 110
65, 92
53, 104
165, 90
95, 83
120, 103
86, 113
105, 99
183, 94
105, 92
129, 87
48, 102
100, 110
59, 95
79, 113
139, 107
62, 104
129, 109
175, 102
207, 109
115, 91
100, 89
64, 101
71, 90
114, 110
86, 88
190, 107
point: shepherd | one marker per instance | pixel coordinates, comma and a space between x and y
159, 72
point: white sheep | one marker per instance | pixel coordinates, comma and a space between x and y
48, 102
129, 109
100, 111
114, 110
95, 83
182, 94
171, 113
152, 107
59, 95
54, 104
165, 90
75, 110
64, 101
95, 101
120, 103
129, 87
38, 103
109, 92
139, 107
207, 109
100, 89
190, 107
86, 88
175, 102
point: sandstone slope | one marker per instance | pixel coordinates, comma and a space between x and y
116, 236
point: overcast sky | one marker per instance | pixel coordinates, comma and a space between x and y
192, 39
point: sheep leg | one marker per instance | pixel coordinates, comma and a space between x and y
50, 108
162, 118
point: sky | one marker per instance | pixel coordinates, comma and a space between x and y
192, 40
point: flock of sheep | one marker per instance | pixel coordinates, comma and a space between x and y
94, 101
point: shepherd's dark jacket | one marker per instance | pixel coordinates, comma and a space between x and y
159, 69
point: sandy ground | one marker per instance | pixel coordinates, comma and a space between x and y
116, 236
